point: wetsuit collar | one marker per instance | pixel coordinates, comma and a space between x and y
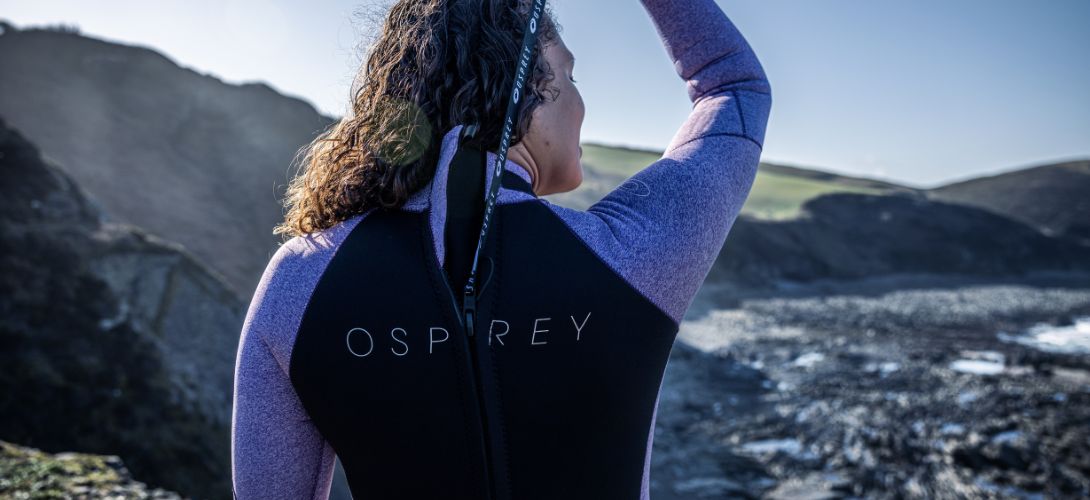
434, 194
515, 177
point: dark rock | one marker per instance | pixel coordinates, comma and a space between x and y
846, 236
112, 341
1052, 197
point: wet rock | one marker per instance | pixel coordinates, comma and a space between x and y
862, 385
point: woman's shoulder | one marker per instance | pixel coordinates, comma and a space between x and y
319, 243
303, 258
288, 281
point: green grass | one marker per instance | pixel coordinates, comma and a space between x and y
774, 195
617, 160
779, 196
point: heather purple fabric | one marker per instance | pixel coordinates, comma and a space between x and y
660, 231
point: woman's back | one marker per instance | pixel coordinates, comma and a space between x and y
353, 341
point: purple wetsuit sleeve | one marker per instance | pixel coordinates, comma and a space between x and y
663, 228
276, 450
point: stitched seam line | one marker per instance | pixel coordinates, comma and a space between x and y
713, 61
321, 467
516, 202
728, 134
738, 106
320, 452
495, 370
728, 86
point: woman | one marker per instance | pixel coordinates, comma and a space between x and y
353, 345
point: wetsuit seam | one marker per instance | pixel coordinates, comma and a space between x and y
318, 471
738, 106
725, 134
495, 369
609, 266
321, 447
425, 232
713, 61
712, 91
516, 202
269, 349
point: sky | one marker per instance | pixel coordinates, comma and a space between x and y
922, 92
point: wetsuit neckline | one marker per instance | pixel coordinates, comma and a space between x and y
511, 180
465, 207
508, 178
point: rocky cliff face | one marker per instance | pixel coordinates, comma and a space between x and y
113, 341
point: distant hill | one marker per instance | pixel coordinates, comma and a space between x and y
778, 191
1053, 197
847, 236
176, 152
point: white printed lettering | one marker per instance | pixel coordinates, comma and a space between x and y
393, 336
370, 339
536, 331
431, 334
498, 335
579, 328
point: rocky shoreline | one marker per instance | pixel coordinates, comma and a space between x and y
871, 391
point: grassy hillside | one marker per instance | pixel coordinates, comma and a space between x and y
778, 191
777, 195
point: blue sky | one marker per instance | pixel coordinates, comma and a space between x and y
920, 92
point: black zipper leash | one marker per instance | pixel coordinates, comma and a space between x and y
529, 40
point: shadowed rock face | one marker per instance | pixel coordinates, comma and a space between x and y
113, 341
1052, 197
178, 153
850, 236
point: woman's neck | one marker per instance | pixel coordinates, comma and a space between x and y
519, 154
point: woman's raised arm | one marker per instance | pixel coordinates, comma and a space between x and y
664, 227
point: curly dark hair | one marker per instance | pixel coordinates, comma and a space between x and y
435, 64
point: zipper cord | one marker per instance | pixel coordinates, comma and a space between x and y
529, 40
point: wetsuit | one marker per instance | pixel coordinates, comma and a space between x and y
353, 345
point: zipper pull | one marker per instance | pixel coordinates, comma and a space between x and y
469, 308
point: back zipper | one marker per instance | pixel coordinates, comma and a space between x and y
466, 321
